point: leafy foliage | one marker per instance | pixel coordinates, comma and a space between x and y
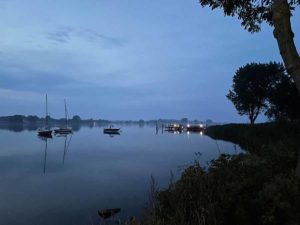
250, 88
284, 99
252, 13
265, 87
235, 190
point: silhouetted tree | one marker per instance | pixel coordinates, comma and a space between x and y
283, 98
76, 118
276, 13
251, 85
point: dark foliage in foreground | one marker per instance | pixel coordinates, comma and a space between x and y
234, 190
255, 188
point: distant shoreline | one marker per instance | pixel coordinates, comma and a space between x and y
33, 119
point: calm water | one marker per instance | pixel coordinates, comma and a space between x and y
96, 171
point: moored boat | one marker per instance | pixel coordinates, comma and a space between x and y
46, 131
66, 129
195, 128
111, 130
174, 127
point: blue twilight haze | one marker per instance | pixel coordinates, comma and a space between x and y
121, 59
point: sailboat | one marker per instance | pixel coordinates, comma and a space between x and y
66, 129
45, 132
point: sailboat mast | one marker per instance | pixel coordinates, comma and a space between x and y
66, 115
46, 111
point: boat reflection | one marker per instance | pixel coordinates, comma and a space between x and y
45, 139
67, 142
113, 134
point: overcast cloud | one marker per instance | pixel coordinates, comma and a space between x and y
124, 59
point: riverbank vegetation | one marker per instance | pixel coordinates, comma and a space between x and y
258, 187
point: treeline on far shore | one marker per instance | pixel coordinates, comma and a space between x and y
32, 119
19, 123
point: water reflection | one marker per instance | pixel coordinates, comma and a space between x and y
67, 142
45, 158
91, 171
45, 139
113, 135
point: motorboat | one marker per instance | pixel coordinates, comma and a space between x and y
174, 128
111, 130
195, 128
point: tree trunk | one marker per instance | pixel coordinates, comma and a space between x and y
252, 120
281, 16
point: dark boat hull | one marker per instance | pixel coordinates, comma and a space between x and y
111, 131
45, 133
63, 131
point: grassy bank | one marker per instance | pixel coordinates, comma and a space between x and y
258, 188
254, 138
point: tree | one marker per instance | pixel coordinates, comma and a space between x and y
76, 118
276, 13
284, 100
250, 88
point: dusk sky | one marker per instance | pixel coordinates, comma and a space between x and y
121, 59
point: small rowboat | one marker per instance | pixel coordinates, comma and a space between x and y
107, 213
